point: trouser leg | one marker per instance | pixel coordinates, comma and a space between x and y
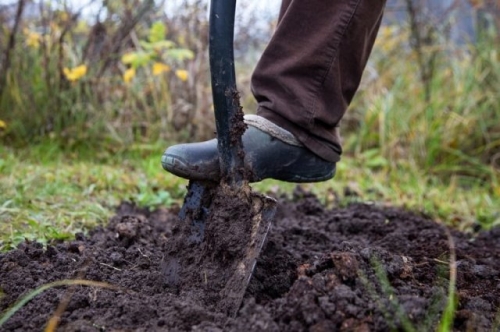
309, 72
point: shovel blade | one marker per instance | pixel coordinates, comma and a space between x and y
233, 292
196, 208
190, 229
214, 248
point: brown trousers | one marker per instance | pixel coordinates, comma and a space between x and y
309, 72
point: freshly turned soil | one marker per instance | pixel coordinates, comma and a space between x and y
359, 268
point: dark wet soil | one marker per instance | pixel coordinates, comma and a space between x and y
360, 268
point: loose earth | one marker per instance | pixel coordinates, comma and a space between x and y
359, 268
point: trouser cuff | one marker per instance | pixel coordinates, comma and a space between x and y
326, 150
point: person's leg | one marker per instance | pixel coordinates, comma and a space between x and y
283, 9
308, 74
303, 83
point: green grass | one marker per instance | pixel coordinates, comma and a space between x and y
48, 193
387, 293
446, 323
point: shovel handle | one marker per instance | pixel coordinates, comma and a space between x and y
224, 91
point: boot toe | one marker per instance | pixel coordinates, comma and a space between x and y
193, 161
173, 163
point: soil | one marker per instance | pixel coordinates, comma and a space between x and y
358, 268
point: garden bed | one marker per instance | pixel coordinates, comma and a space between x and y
358, 268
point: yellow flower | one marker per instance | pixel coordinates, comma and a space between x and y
128, 58
159, 68
63, 16
182, 74
33, 39
128, 75
3, 125
76, 73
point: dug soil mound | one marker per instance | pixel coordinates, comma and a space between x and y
359, 268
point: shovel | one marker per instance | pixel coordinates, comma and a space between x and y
222, 226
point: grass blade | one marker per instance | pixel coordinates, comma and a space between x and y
28, 297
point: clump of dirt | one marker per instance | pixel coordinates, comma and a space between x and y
237, 124
228, 238
359, 268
